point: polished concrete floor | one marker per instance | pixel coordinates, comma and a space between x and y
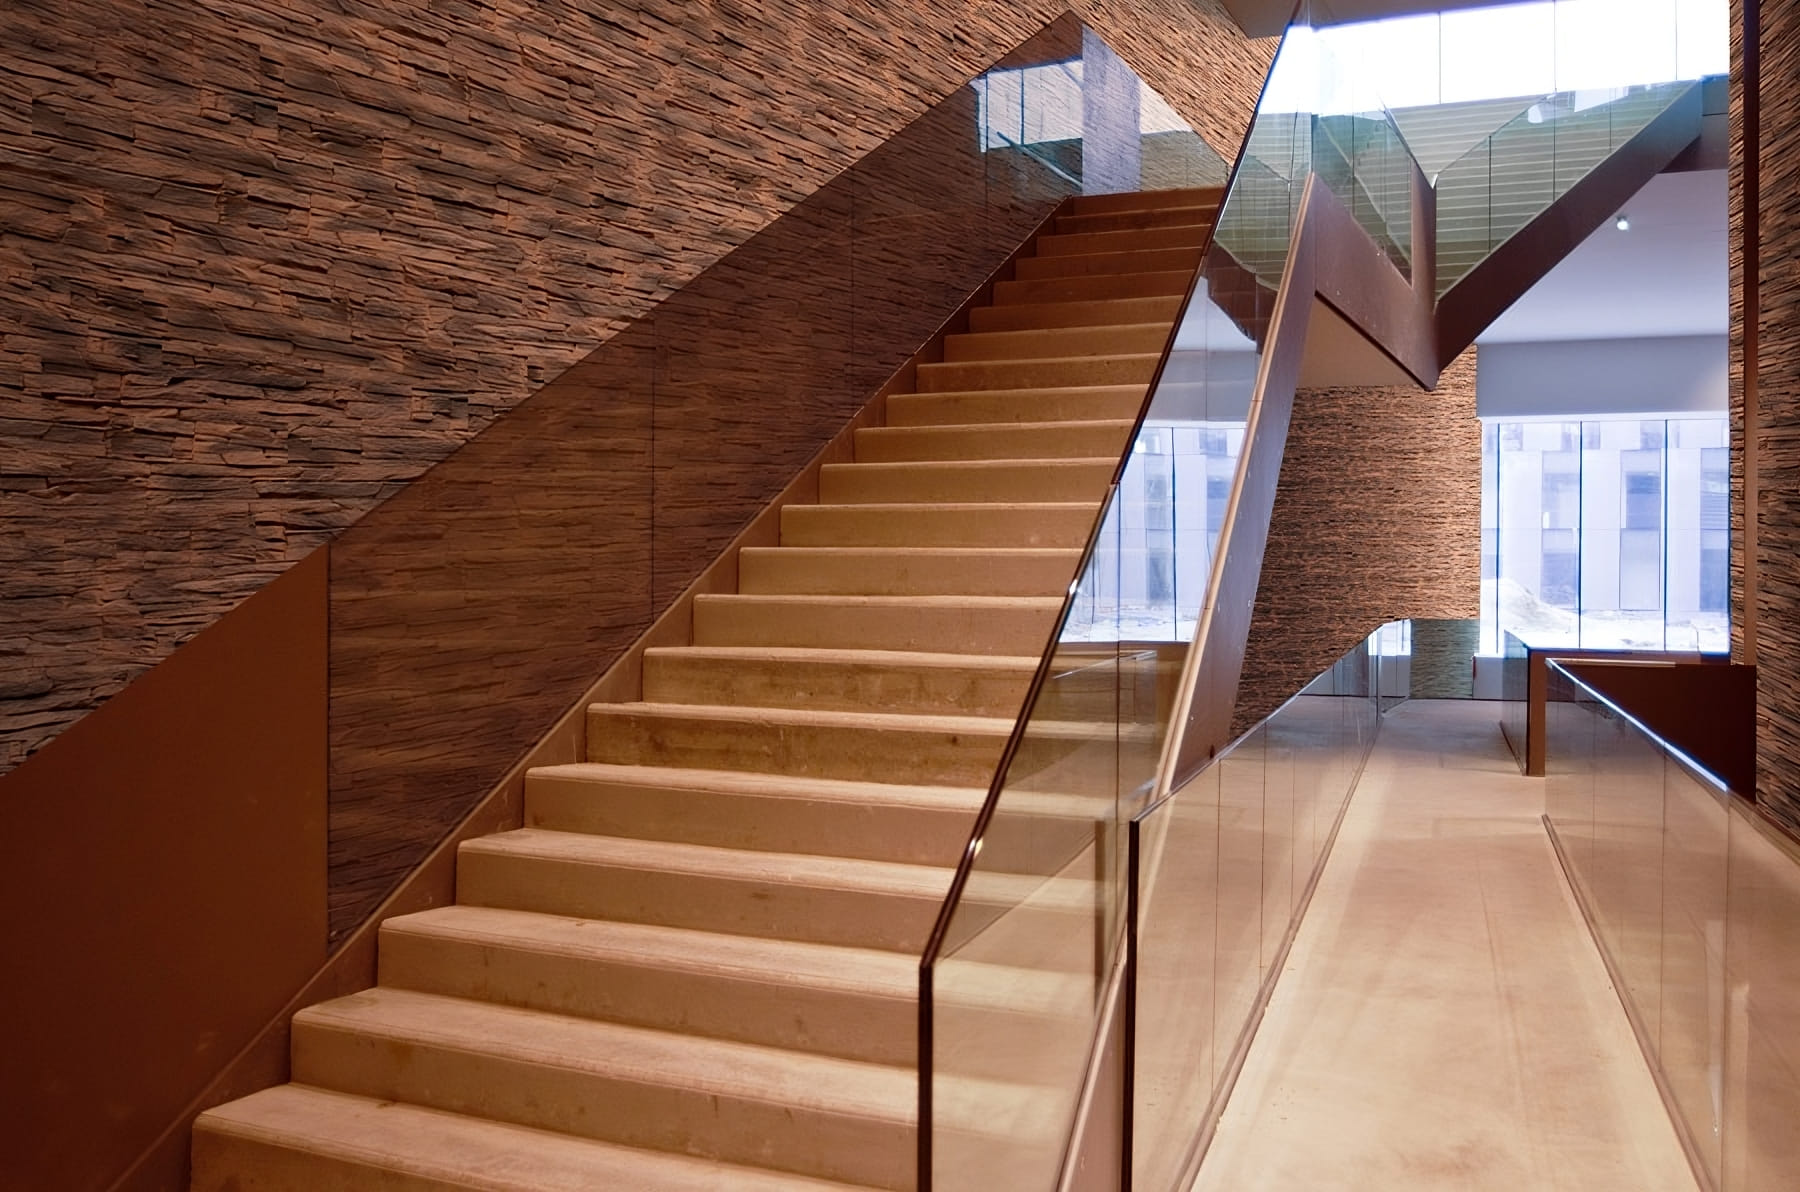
1444, 1020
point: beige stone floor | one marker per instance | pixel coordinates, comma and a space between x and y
1444, 1021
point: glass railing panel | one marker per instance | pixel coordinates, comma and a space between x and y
1653, 867
1569, 773
1627, 863
1014, 983
1238, 955
1691, 1036
1220, 869
1179, 1028
1762, 977
1509, 178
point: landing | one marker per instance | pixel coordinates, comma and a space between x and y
1445, 1020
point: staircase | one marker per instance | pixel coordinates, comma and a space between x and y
696, 965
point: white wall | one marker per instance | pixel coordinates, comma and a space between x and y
1599, 377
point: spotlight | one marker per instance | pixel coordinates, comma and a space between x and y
1623, 223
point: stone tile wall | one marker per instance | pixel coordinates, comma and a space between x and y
1377, 518
263, 263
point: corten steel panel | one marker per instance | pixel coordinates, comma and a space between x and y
162, 887
468, 612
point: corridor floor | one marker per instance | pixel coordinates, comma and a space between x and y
1444, 1020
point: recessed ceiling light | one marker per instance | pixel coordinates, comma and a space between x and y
1623, 223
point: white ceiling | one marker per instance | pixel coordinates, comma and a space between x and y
1266, 18
1666, 276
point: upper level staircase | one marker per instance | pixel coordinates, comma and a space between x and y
696, 965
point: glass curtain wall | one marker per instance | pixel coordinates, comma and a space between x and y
1606, 533
1533, 49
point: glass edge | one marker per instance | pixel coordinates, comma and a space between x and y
1668, 748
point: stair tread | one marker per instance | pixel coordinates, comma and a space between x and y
717, 1066
828, 966
1025, 333
807, 600
847, 790
865, 657
1025, 361
899, 721
982, 507
477, 1153
886, 878
1030, 391
989, 428
751, 782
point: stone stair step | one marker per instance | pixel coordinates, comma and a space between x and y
1148, 260
929, 683
870, 821
863, 746
949, 624
821, 999
1057, 342
1105, 286
712, 1099
1082, 439
916, 571
1138, 217
979, 407
827, 900
1132, 239
1132, 368
1099, 312
298, 1137
1061, 524
1184, 196
849, 902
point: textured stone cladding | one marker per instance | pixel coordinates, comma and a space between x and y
1777, 426
262, 263
1377, 518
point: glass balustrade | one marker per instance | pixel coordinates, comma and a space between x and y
1220, 871
1014, 977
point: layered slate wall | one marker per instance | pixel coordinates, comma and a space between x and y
1377, 518
265, 263
1771, 434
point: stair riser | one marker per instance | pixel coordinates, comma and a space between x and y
719, 1005
1119, 221
1061, 244
1010, 441
637, 1112
677, 678
869, 831
1157, 260
787, 570
1153, 200
1135, 369
1041, 315
1116, 403
236, 1163
924, 757
1167, 283
765, 909
1041, 343
852, 525
748, 621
